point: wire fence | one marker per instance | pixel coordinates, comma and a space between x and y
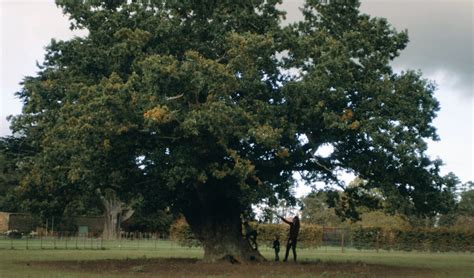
63, 241
332, 237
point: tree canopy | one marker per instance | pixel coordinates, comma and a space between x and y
210, 106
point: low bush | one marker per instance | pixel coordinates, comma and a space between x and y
310, 235
426, 239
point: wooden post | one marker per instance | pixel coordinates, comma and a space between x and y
322, 241
138, 240
342, 242
120, 241
377, 242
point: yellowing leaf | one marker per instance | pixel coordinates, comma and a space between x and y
159, 114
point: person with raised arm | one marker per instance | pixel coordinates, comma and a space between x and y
292, 236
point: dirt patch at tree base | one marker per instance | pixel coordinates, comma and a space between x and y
179, 267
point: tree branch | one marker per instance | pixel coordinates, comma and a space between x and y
175, 97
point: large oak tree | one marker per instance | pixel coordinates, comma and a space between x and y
211, 106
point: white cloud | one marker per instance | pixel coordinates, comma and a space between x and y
26, 28
455, 126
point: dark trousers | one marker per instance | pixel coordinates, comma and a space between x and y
277, 258
290, 244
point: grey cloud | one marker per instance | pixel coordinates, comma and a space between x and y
441, 35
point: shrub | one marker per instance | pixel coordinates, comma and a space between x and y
426, 239
181, 232
310, 235
421, 239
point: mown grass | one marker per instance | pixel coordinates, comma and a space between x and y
16, 262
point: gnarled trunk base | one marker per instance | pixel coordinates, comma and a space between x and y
222, 239
233, 250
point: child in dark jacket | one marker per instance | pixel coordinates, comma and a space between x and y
276, 246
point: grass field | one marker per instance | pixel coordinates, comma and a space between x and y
164, 259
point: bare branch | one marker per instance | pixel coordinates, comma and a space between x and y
175, 97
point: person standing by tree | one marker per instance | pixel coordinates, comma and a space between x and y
276, 246
251, 235
293, 236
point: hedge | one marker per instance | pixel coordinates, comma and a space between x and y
421, 239
310, 235
427, 239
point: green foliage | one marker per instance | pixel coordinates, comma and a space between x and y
159, 221
181, 232
209, 107
466, 205
310, 235
379, 219
461, 214
14, 154
365, 238
316, 211
419, 239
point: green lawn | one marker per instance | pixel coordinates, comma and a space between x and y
15, 262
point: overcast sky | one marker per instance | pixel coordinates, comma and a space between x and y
441, 46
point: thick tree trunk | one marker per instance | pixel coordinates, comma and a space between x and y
224, 246
221, 236
115, 213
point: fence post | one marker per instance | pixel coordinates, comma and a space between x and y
377, 242
138, 240
342, 242
27, 242
322, 240
41, 240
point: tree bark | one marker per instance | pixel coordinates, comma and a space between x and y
219, 229
116, 212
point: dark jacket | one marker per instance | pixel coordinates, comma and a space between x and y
276, 245
294, 228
